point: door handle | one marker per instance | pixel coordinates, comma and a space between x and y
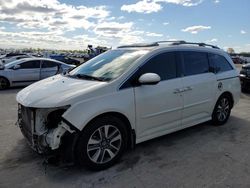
176, 91
189, 88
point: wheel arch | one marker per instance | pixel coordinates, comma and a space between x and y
230, 95
129, 129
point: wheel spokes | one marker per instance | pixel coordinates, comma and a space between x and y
96, 155
118, 137
111, 154
223, 109
104, 144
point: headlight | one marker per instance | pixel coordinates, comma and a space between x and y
52, 116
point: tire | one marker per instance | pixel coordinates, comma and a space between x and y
102, 143
4, 83
222, 110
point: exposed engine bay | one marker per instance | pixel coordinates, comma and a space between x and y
43, 128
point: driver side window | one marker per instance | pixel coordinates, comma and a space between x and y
163, 64
30, 65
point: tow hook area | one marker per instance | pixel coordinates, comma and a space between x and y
53, 138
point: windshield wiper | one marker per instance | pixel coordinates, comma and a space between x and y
88, 77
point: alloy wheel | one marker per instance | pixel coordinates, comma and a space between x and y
104, 144
223, 109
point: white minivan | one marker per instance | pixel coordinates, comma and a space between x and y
126, 96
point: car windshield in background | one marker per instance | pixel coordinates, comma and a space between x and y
10, 64
107, 66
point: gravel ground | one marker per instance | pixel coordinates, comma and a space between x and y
201, 156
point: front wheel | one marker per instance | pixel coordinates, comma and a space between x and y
222, 110
102, 143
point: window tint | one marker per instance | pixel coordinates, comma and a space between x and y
219, 63
163, 64
49, 64
195, 63
30, 65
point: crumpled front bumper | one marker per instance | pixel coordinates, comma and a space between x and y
32, 123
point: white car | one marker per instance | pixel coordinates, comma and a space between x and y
127, 96
29, 70
7, 59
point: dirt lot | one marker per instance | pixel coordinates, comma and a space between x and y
201, 156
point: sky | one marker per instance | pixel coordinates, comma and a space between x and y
70, 25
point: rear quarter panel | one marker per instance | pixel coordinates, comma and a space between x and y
231, 83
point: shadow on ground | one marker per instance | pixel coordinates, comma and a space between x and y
164, 152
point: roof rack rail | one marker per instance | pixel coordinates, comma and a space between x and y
139, 45
173, 42
170, 41
195, 43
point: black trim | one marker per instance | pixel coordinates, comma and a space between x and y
24, 81
227, 78
70, 124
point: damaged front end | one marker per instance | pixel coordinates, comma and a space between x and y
43, 128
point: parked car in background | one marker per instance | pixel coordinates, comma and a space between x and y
127, 96
26, 71
238, 60
65, 59
245, 77
14, 58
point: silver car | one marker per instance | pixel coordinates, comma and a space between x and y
26, 71
7, 59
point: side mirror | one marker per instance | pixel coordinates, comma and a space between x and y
149, 79
16, 67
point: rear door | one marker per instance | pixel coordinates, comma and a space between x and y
28, 72
49, 68
199, 86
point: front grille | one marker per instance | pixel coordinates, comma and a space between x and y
25, 120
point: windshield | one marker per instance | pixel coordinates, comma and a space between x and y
107, 66
12, 63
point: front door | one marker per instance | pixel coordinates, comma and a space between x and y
27, 73
159, 107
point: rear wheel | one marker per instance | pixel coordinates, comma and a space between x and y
102, 143
222, 110
4, 83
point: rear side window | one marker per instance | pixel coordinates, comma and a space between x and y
195, 63
219, 63
49, 64
163, 64
30, 65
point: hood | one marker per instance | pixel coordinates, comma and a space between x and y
56, 91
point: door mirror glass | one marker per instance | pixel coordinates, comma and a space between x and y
149, 79
16, 67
